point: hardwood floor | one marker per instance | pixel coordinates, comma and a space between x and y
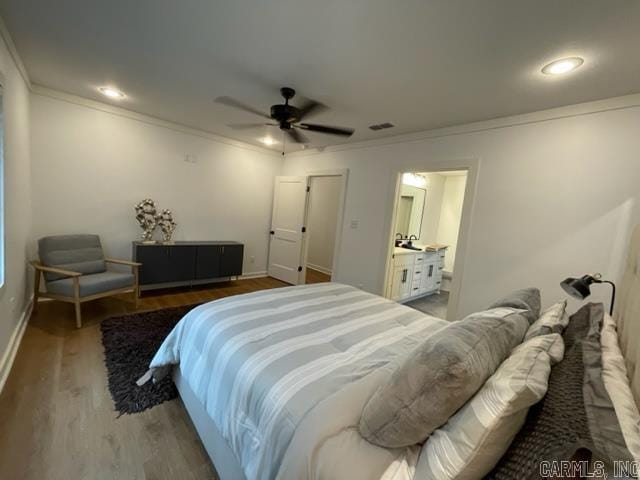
314, 276
57, 416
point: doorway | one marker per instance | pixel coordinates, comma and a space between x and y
427, 218
322, 222
306, 227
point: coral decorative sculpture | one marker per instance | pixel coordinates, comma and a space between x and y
146, 215
166, 224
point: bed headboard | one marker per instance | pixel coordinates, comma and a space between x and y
627, 314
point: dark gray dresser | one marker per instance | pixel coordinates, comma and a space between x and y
187, 263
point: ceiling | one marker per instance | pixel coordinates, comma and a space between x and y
415, 63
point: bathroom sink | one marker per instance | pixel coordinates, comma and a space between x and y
410, 247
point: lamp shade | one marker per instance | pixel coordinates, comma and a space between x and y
577, 287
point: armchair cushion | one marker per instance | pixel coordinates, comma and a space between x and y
78, 253
92, 284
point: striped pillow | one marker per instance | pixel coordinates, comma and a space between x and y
553, 320
470, 444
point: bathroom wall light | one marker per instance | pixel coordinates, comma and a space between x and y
414, 180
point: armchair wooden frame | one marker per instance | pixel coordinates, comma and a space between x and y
76, 299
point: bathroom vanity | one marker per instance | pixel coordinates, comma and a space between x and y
415, 273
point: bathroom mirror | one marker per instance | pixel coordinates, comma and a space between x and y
410, 211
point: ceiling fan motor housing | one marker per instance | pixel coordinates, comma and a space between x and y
285, 115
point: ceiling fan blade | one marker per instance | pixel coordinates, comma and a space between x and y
343, 132
249, 126
232, 102
296, 136
311, 107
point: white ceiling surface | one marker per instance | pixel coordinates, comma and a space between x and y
418, 64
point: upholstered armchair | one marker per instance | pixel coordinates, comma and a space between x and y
75, 271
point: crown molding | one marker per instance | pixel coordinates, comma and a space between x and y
576, 110
144, 118
17, 60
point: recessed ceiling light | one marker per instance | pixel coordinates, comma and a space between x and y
564, 65
111, 92
268, 140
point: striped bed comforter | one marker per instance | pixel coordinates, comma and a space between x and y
260, 362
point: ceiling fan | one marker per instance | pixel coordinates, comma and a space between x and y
287, 117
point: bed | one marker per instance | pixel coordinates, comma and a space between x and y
276, 381
261, 372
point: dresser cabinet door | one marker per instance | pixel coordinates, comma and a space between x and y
208, 261
182, 263
155, 263
165, 264
231, 260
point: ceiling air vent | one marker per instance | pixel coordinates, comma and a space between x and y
381, 126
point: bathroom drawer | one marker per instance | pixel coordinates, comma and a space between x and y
431, 256
403, 260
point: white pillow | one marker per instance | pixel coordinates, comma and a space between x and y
553, 320
470, 444
616, 382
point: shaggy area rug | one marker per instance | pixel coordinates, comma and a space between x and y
130, 342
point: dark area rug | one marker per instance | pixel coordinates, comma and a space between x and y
130, 342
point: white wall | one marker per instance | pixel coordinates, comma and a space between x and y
450, 217
323, 213
556, 195
14, 295
90, 166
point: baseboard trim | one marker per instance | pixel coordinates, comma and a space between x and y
313, 266
246, 276
14, 343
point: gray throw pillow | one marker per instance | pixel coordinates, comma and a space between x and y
439, 376
526, 299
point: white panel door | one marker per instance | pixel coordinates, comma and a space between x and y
287, 220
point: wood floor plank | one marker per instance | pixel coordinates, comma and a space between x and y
57, 413
315, 276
